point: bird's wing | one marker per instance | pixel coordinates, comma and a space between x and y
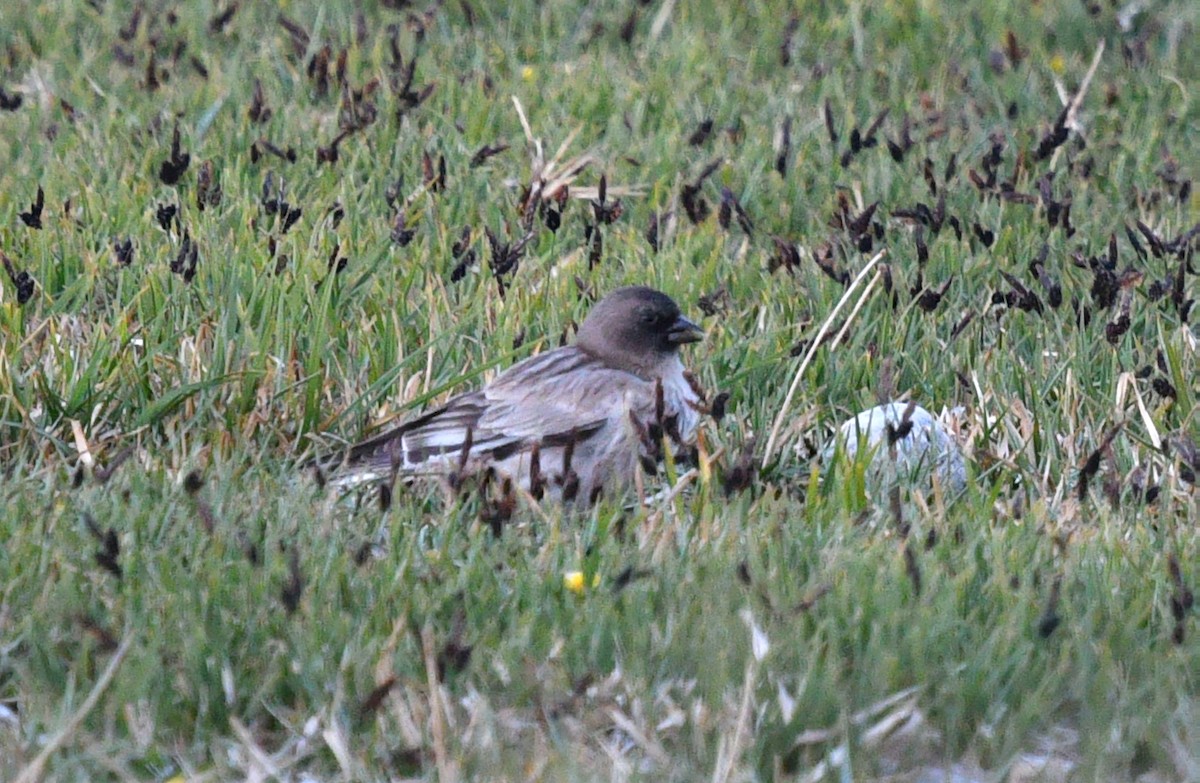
556, 394
438, 431
560, 395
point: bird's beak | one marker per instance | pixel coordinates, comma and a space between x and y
684, 331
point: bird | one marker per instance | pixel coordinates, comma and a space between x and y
906, 444
572, 423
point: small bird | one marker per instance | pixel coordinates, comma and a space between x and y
569, 423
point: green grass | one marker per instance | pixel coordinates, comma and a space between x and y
239, 372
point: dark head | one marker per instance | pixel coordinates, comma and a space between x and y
636, 328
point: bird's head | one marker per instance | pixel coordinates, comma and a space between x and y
636, 328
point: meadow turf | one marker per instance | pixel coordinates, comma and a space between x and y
180, 328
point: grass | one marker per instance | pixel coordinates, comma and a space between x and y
152, 420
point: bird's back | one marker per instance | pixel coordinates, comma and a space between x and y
562, 422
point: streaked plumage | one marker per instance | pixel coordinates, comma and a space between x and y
570, 421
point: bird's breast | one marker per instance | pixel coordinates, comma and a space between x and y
681, 400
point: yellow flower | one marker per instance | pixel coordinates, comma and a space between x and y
1057, 64
573, 581
527, 73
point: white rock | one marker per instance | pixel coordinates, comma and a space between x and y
928, 448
